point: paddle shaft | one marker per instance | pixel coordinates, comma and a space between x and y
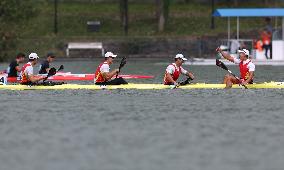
237, 78
223, 66
118, 71
183, 83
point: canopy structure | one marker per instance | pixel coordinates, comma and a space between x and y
249, 12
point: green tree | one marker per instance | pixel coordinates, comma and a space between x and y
124, 15
13, 13
162, 13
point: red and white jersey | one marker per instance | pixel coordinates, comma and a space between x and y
174, 71
245, 67
102, 68
26, 71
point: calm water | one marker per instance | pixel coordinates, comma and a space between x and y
144, 130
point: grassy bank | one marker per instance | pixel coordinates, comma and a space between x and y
185, 20
191, 19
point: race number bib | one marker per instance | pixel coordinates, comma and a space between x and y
3, 79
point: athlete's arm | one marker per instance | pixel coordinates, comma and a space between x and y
31, 77
251, 68
169, 78
47, 69
225, 55
109, 75
251, 73
34, 79
189, 74
18, 68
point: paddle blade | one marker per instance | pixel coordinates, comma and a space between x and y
61, 68
221, 64
122, 63
52, 71
245, 86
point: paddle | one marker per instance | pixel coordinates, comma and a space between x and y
52, 72
122, 63
223, 66
60, 68
183, 83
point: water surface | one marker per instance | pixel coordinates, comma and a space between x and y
203, 129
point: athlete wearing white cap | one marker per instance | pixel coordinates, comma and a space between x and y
103, 74
174, 70
246, 66
27, 76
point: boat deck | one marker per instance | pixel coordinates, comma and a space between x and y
269, 85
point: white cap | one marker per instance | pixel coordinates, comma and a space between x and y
245, 51
33, 56
180, 56
109, 54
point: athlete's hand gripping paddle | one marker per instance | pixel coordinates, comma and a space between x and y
52, 72
183, 83
223, 66
60, 68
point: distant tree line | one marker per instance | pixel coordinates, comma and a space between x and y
13, 13
162, 13
174, 1
162, 9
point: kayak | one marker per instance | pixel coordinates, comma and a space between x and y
265, 85
81, 77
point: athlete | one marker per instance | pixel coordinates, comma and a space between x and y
14, 67
27, 76
44, 67
246, 66
174, 70
103, 74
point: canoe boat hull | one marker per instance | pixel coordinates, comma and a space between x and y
270, 85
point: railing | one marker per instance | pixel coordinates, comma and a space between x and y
235, 44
